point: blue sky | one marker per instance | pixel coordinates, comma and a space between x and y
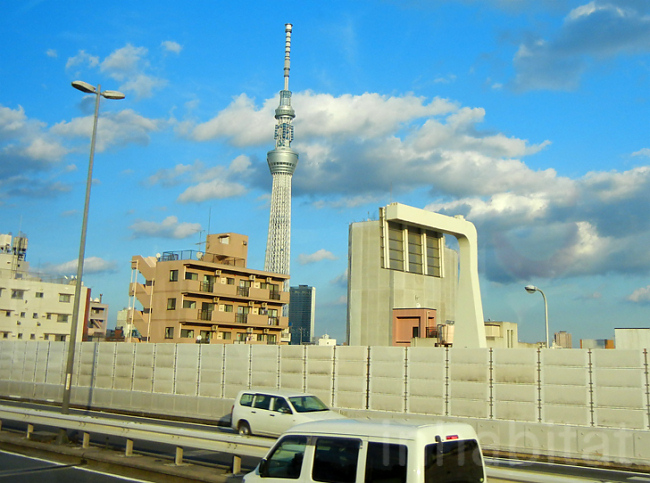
529, 117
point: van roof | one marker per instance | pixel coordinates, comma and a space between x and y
379, 428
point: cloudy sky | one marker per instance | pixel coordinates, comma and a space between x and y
529, 117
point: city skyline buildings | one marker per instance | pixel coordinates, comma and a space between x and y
534, 132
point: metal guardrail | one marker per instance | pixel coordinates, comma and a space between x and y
181, 438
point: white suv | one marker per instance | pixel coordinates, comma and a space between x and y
271, 413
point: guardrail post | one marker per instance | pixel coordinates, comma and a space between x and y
179, 455
30, 430
129, 448
236, 465
86, 441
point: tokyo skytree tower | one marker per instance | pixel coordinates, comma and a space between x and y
282, 163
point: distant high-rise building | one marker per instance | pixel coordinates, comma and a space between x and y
282, 163
302, 308
563, 339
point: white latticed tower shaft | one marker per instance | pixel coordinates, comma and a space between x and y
282, 163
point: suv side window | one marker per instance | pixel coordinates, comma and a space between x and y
262, 401
286, 459
281, 405
386, 462
335, 460
246, 399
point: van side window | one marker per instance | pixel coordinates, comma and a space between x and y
262, 401
461, 458
246, 399
280, 405
386, 463
335, 460
286, 459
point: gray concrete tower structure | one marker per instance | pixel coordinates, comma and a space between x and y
282, 163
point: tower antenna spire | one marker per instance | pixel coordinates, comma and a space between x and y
282, 162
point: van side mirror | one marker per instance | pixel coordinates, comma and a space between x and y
264, 467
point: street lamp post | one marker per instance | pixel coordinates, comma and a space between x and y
533, 289
89, 89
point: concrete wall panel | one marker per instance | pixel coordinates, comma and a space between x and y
124, 364
163, 371
264, 366
565, 414
621, 418
292, 367
211, 370
351, 377
55, 363
187, 370
144, 367
237, 369
42, 356
320, 372
105, 357
516, 411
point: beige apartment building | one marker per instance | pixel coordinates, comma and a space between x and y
209, 297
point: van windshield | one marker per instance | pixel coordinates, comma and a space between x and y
307, 404
457, 461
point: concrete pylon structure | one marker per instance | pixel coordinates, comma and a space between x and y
282, 162
470, 328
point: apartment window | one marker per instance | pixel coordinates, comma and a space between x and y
433, 254
271, 338
173, 275
191, 276
189, 304
34, 315
32, 337
171, 304
62, 317
225, 335
227, 308
169, 332
260, 337
187, 334
65, 297
49, 317
39, 295
230, 281
22, 314
415, 250
395, 247
17, 294
5, 335
20, 335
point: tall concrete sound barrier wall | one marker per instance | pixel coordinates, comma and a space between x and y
576, 404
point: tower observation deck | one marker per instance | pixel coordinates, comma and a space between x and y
282, 162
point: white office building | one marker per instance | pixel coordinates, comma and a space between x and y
31, 307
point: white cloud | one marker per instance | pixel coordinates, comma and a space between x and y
642, 152
51, 53
128, 65
168, 228
209, 190
81, 59
640, 295
171, 46
317, 256
591, 32
91, 265
113, 129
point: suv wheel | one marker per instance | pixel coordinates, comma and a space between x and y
244, 428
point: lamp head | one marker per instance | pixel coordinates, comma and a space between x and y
84, 87
112, 95
531, 288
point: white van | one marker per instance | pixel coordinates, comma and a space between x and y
271, 413
349, 451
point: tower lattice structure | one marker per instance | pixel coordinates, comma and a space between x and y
282, 162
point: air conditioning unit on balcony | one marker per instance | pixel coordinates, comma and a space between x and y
217, 273
264, 305
251, 277
249, 330
251, 303
266, 331
215, 299
215, 328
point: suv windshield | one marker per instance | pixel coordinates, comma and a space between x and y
307, 404
456, 461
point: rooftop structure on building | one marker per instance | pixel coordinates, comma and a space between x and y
302, 313
34, 307
209, 297
282, 162
404, 283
